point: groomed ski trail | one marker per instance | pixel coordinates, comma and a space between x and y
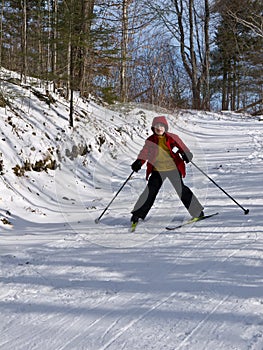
90, 287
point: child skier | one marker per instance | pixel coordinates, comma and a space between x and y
166, 155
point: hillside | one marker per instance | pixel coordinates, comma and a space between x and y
69, 283
39, 148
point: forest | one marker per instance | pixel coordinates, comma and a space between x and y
200, 54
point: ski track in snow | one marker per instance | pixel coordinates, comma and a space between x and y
127, 314
69, 284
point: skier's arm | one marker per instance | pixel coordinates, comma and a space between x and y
185, 152
142, 157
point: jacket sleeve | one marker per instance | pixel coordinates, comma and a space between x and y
177, 142
144, 153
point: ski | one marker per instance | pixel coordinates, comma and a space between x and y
191, 221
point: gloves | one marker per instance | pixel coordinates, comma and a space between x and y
187, 157
136, 166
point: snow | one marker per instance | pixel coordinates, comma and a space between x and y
69, 283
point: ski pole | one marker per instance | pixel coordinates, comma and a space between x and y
107, 207
246, 211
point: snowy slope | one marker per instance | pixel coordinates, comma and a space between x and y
68, 283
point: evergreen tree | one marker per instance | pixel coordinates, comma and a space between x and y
236, 67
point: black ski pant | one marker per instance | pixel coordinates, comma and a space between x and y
147, 198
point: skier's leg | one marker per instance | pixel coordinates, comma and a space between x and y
187, 197
147, 198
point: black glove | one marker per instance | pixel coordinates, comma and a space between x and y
187, 157
136, 166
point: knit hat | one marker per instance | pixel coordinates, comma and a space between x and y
161, 120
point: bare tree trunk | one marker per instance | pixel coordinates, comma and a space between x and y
1, 31
85, 76
71, 73
24, 41
54, 6
49, 51
40, 44
194, 76
190, 64
124, 50
206, 64
234, 87
69, 63
224, 89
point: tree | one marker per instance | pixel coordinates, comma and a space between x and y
157, 77
24, 40
124, 51
253, 19
85, 50
1, 30
188, 23
237, 60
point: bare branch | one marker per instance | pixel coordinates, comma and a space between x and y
255, 24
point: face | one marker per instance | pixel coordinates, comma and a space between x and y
159, 129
